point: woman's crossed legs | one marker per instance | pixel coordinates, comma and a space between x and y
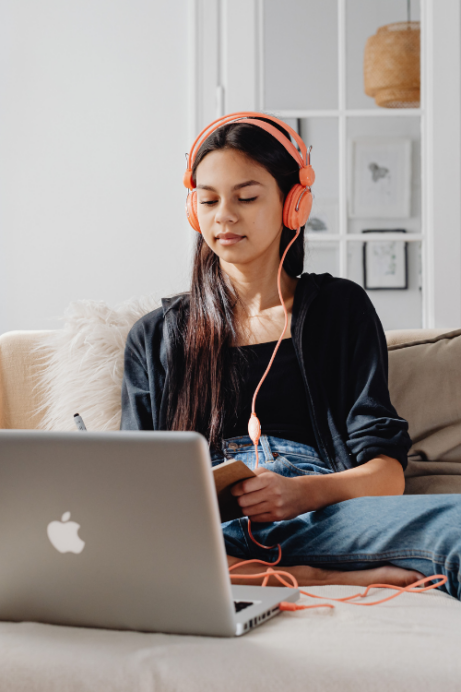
384, 539
361, 541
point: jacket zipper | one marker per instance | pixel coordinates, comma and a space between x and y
299, 354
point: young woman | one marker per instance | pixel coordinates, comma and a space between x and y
333, 448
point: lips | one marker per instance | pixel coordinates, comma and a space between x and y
229, 238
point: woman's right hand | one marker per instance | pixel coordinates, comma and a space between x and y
272, 497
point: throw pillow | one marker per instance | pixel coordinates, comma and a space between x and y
82, 364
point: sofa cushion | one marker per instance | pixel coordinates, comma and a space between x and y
425, 388
403, 336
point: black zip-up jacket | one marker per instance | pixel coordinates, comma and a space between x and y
342, 352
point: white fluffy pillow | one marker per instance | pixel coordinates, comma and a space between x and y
82, 364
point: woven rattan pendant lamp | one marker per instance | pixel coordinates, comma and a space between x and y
392, 65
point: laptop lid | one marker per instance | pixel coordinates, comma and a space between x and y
118, 530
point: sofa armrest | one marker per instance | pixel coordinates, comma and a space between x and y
19, 391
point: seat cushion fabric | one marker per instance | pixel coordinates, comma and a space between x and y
409, 644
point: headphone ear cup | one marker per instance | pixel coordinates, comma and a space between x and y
300, 197
191, 211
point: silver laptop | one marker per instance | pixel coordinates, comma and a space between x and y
119, 530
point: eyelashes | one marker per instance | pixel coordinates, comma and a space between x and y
246, 199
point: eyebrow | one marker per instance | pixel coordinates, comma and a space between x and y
247, 183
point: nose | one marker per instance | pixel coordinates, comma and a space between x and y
225, 213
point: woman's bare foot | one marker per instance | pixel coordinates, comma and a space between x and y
315, 576
377, 575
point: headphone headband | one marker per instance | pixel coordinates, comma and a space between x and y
298, 201
301, 157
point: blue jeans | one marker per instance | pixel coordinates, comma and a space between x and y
419, 532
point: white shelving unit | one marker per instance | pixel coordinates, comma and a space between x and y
342, 114
228, 62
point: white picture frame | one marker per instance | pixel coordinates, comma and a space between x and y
380, 177
385, 263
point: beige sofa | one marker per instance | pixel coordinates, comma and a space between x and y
410, 643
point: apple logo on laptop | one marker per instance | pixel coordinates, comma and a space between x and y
64, 536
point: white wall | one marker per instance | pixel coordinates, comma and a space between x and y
93, 130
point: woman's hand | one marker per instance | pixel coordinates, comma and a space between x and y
271, 497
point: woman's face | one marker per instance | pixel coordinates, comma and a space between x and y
239, 207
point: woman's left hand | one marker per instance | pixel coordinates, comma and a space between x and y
271, 497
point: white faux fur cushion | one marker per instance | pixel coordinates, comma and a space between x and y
82, 364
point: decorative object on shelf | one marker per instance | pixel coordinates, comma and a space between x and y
385, 263
380, 177
391, 65
324, 216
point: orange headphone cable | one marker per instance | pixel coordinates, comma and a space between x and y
254, 430
254, 426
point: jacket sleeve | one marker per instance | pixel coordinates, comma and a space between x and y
373, 425
136, 399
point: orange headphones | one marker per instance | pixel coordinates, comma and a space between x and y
298, 202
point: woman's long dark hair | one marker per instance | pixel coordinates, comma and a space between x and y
208, 386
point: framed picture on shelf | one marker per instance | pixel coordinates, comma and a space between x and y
385, 263
380, 177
